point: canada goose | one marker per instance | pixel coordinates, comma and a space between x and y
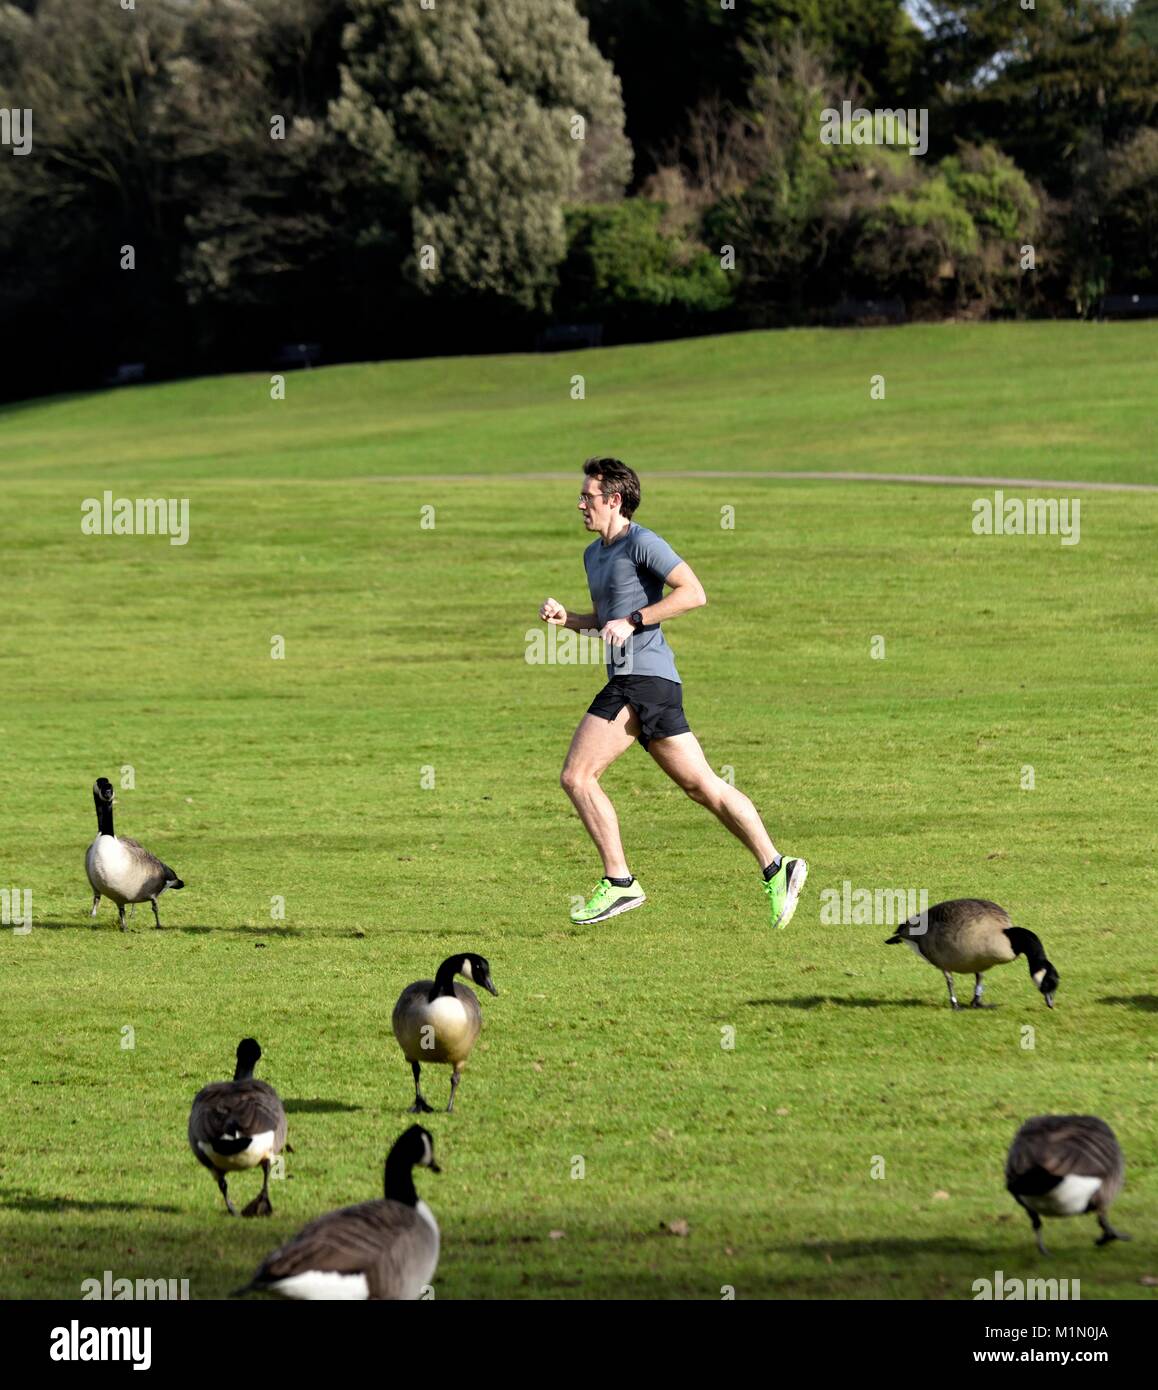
1064, 1165
382, 1249
238, 1124
439, 1020
119, 868
969, 935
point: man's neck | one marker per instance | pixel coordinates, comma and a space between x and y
610, 540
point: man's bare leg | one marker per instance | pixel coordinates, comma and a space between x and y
596, 745
682, 758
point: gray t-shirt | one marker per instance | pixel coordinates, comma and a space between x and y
624, 576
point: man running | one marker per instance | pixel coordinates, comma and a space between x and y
627, 568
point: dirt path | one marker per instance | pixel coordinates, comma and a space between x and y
925, 479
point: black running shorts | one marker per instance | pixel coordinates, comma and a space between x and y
658, 704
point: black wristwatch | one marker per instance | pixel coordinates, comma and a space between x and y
636, 620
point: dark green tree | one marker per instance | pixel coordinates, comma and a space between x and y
1041, 82
473, 125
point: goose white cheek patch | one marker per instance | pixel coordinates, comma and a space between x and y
466, 972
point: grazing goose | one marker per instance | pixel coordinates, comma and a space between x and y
439, 1020
238, 1124
1065, 1165
969, 935
383, 1249
119, 868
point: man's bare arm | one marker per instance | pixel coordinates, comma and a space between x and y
686, 593
552, 611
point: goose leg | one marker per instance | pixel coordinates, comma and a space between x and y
454, 1080
225, 1194
419, 1107
121, 915
1108, 1232
132, 912
96, 902
952, 995
977, 988
260, 1206
156, 915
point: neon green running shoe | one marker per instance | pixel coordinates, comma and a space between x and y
608, 900
783, 890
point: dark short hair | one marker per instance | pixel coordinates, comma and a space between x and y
616, 477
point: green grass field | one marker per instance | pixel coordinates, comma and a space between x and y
404, 652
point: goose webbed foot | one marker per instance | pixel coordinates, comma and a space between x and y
260, 1206
1108, 1233
420, 1106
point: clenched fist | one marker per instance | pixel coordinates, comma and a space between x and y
553, 611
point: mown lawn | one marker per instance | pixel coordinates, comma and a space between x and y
302, 778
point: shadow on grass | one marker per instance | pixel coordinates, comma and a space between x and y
317, 1107
140, 929
1148, 1003
239, 931
815, 1001
901, 1247
27, 1201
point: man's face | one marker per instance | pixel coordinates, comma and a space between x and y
593, 504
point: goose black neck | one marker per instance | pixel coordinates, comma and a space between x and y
444, 980
104, 810
244, 1070
1027, 945
398, 1183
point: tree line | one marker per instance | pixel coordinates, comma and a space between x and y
204, 180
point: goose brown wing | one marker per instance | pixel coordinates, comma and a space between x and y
154, 874
384, 1240
1064, 1144
413, 997
253, 1106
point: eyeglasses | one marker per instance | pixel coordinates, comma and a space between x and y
586, 498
